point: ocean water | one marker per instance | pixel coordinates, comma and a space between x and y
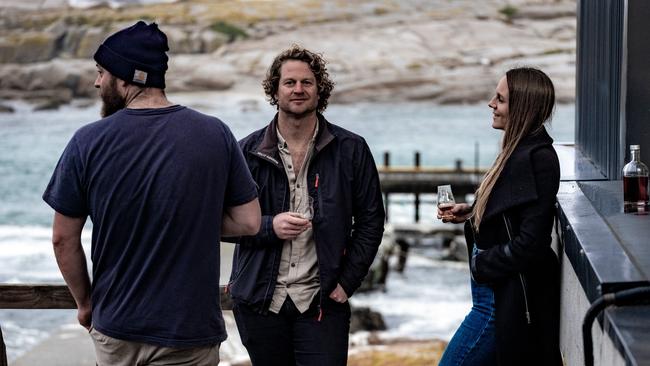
428, 301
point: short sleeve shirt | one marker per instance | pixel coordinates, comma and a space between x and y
155, 183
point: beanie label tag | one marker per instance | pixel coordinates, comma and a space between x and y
140, 77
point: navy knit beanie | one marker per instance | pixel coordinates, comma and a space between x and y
136, 55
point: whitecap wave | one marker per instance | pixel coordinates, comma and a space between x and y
27, 256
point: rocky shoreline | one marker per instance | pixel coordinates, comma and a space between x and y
438, 51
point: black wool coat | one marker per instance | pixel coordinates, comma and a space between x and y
518, 261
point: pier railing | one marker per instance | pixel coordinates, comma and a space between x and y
46, 296
418, 180
425, 179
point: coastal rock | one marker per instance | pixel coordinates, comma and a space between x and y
364, 318
202, 82
179, 41
200, 72
456, 90
6, 108
438, 51
71, 41
27, 47
89, 40
212, 41
76, 77
379, 90
58, 96
543, 12
457, 250
460, 95
50, 104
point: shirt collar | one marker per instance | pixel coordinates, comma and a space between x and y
282, 143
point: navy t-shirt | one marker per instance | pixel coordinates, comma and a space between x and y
155, 183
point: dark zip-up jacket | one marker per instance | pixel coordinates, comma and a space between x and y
348, 220
518, 261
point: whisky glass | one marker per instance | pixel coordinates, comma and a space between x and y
446, 201
307, 211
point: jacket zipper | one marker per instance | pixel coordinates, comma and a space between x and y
268, 286
471, 223
318, 195
320, 293
521, 276
320, 278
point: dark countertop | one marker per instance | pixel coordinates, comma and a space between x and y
631, 230
631, 332
609, 251
574, 166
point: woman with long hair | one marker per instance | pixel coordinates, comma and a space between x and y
514, 271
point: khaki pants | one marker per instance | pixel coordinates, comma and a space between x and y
117, 352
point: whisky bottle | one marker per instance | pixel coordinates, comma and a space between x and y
635, 183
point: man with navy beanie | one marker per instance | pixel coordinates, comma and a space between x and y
135, 55
161, 184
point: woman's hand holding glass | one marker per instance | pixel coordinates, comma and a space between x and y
448, 209
457, 214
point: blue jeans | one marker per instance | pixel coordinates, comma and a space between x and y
474, 342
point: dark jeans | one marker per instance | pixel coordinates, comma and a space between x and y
290, 338
474, 343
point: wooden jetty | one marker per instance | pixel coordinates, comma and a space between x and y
426, 180
417, 180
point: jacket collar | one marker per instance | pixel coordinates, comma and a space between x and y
268, 148
516, 184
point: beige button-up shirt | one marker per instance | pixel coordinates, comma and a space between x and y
298, 273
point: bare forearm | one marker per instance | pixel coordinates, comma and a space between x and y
241, 220
71, 260
66, 239
229, 227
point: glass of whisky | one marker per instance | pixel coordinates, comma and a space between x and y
446, 201
307, 210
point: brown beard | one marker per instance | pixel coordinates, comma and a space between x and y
112, 101
301, 115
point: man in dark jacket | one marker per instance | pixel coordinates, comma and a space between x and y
322, 222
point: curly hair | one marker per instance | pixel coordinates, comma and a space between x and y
316, 64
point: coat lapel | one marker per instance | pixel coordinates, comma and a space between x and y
516, 184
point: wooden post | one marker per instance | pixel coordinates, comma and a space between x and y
476, 159
3, 350
417, 195
386, 206
386, 165
459, 165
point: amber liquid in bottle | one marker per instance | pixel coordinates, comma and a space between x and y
635, 184
635, 194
